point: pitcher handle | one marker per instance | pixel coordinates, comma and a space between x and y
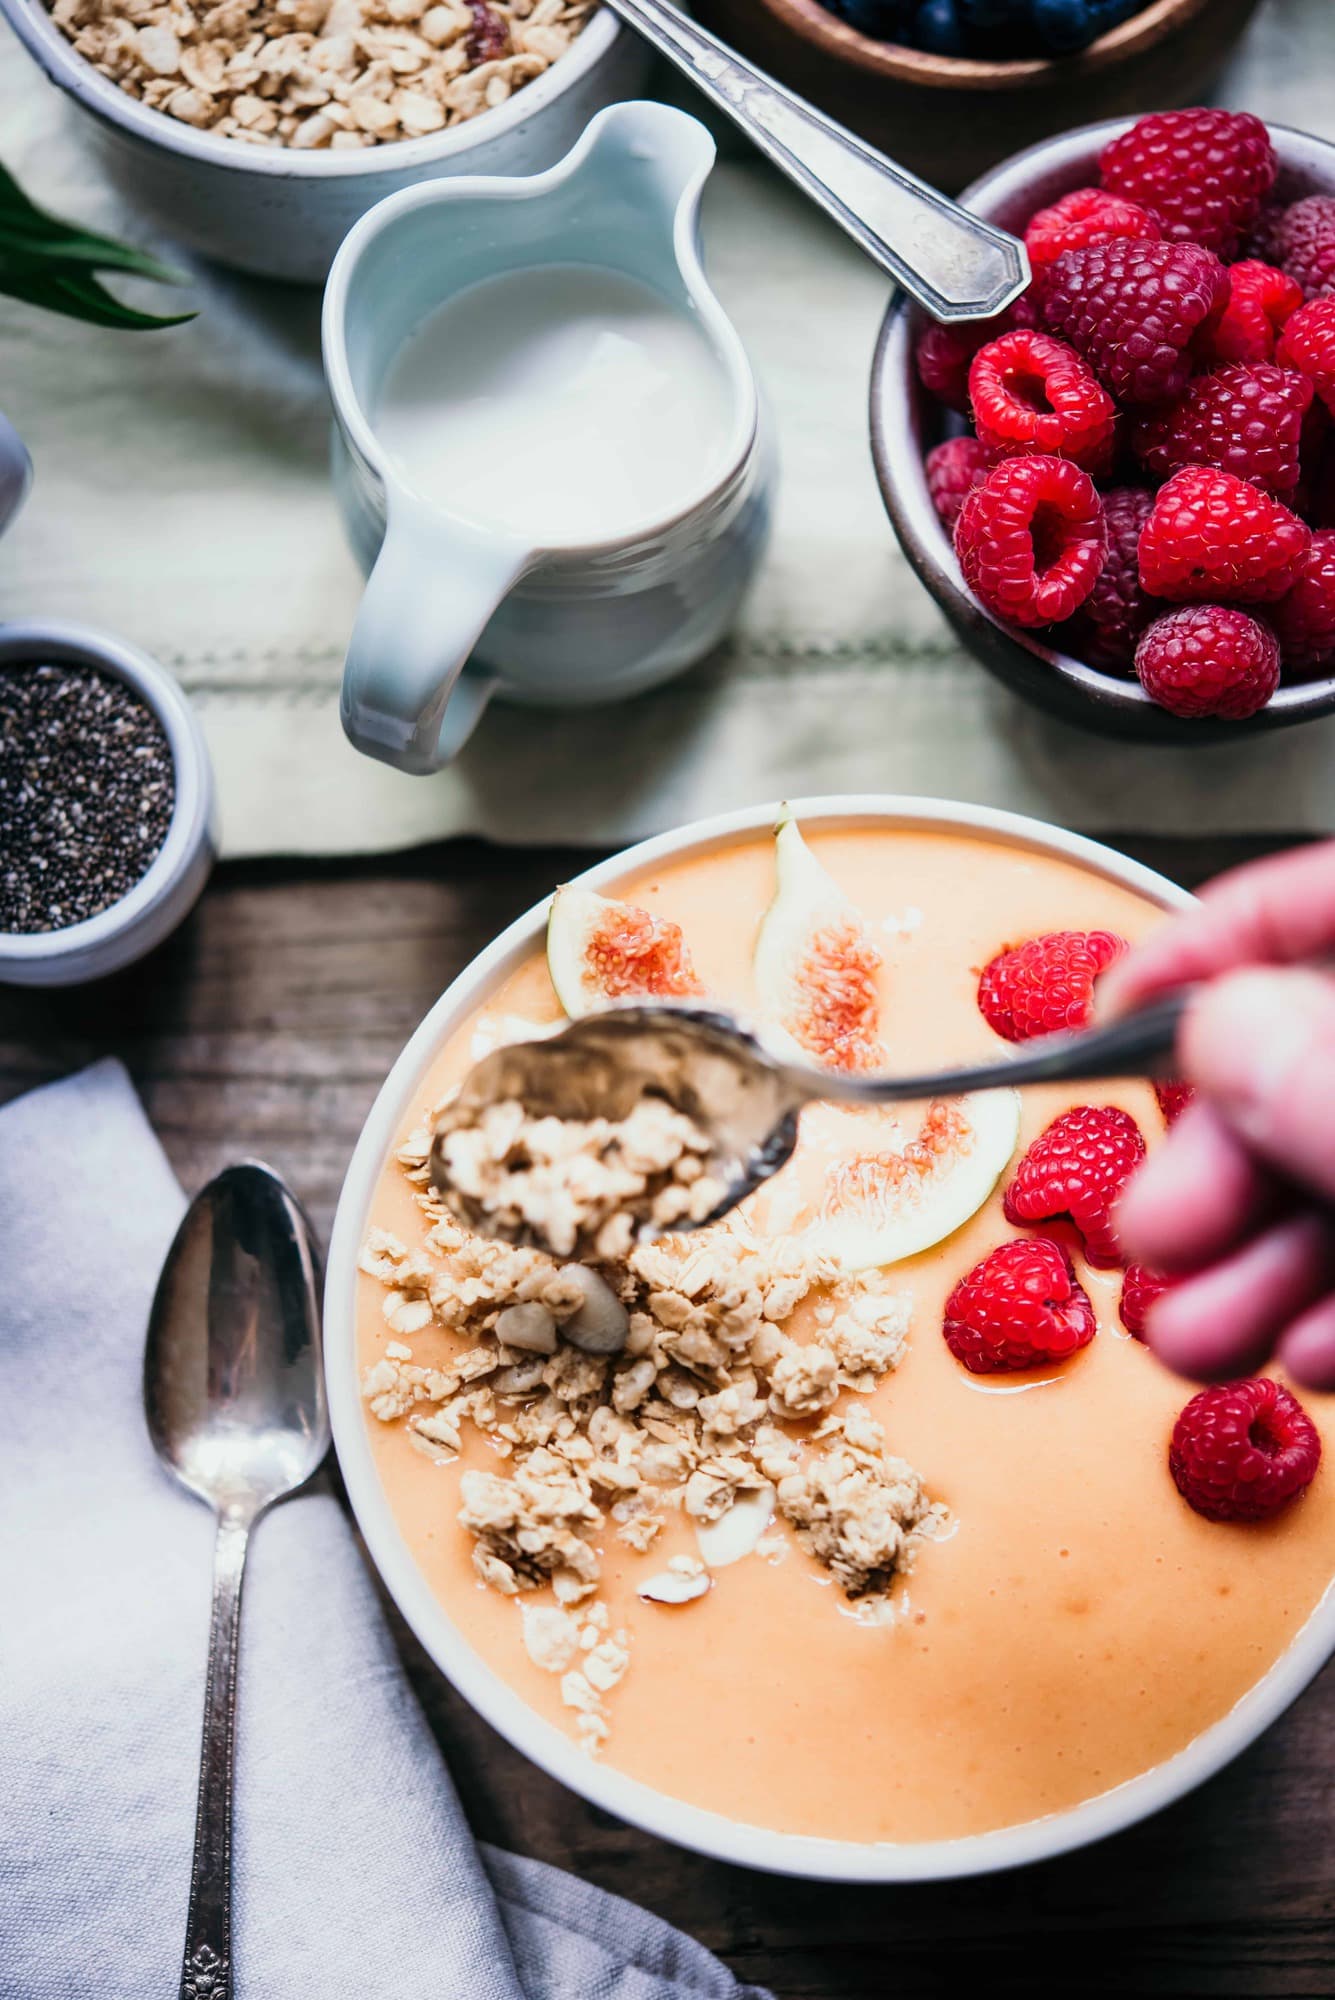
427, 602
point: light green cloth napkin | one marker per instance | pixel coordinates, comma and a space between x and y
182, 501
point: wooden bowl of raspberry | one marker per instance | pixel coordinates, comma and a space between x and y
1121, 492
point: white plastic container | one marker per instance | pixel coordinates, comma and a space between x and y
170, 887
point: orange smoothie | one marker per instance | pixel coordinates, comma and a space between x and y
1073, 1622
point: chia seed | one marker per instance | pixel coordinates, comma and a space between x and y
87, 789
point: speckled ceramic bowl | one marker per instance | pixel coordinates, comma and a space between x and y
282, 213
906, 421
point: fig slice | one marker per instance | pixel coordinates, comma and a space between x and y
880, 1205
817, 964
600, 952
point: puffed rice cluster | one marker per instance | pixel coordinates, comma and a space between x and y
332, 74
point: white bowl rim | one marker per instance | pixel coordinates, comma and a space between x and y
895, 449
40, 642
630, 1799
36, 29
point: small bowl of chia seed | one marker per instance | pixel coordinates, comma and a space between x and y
106, 805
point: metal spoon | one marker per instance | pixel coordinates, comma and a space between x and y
744, 1096
955, 265
234, 1396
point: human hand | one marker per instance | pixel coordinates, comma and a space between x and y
1238, 1204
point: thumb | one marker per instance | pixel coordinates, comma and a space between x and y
1260, 1045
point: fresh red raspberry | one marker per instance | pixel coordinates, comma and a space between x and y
1304, 621
1140, 1288
1030, 539
1243, 1450
1020, 1308
1202, 174
1308, 343
1046, 984
1260, 301
954, 469
1078, 1167
1173, 1097
1214, 536
1247, 418
1085, 216
1306, 236
1209, 659
943, 353
1108, 625
1142, 314
1031, 393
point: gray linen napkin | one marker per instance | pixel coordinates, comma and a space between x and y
356, 1874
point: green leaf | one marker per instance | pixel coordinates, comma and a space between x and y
52, 263
79, 295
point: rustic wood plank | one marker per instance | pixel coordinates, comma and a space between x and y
266, 1027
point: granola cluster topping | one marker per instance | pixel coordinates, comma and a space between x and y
661, 1383
574, 1183
332, 74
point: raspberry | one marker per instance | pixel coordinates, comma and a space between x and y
1308, 343
1142, 314
1046, 984
1209, 659
1031, 393
954, 469
1173, 1098
1246, 418
1083, 217
1304, 621
1306, 236
943, 353
1078, 1167
1263, 240
1202, 174
1020, 1308
1140, 1288
1213, 535
1116, 612
1243, 1450
1260, 301
1030, 539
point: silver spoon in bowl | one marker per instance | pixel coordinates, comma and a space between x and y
743, 1096
234, 1397
952, 263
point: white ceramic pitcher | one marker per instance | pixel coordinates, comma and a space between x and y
454, 612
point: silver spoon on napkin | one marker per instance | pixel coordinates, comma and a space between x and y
955, 265
234, 1396
743, 1096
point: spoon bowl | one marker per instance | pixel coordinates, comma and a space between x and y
233, 1387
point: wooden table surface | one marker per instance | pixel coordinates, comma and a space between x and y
266, 1027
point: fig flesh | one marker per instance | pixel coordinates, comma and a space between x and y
817, 965
600, 952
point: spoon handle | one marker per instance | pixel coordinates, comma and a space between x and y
955, 265
1137, 1045
207, 1971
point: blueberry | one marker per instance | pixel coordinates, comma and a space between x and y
883, 20
940, 29
992, 13
1063, 26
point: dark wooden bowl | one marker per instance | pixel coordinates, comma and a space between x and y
906, 422
949, 119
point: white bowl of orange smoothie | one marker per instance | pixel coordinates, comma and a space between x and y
1065, 1646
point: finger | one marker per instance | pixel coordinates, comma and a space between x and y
1275, 912
1197, 1197
1307, 1349
1260, 1046
1226, 1321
